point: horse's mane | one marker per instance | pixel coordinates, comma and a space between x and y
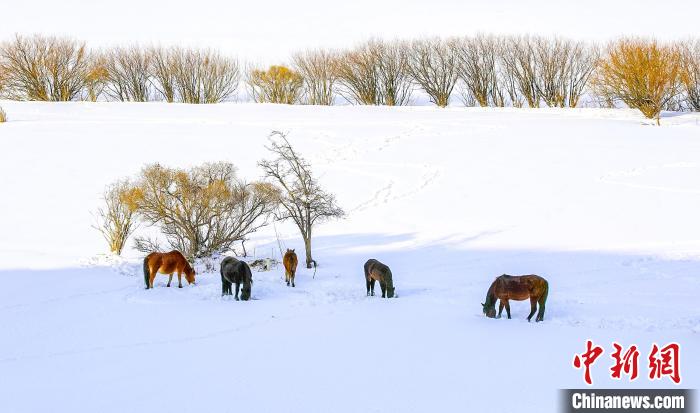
491, 294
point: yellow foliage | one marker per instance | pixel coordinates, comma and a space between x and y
278, 84
641, 73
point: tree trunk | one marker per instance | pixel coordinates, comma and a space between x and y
307, 245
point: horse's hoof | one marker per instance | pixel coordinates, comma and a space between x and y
179, 286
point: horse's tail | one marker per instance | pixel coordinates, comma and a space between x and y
146, 272
546, 291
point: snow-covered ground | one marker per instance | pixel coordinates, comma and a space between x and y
600, 202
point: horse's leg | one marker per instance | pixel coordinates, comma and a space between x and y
152, 278
286, 277
508, 308
292, 277
238, 286
533, 308
371, 283
179, 279
169, 280
367, 282
500, 308
382, 285
540, 313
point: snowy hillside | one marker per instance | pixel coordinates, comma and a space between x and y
600, 202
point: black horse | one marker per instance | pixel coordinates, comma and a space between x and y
238, 272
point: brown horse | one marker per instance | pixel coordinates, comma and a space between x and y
509, 287
290, 262
166, 263
376, 271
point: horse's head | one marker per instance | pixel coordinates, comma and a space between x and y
290, 251
245, 292
489, 311
189, 274
390, 291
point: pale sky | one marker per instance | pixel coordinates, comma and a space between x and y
270, 31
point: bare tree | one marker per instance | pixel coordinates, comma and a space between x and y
518, 59
690, 74
358, 76
204, 210
394, 82
115, 219
583, 62
202, 76
434, 65
44, 68
278, 84
162, 72
551, 61
478, 57
128, 71
643, 74
317, 68
3, 115
302, 199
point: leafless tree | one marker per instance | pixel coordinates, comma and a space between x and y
302, 199
395, 83
44, 68
278, 84
162, 72
3, 115
317, 68
690, 74
204, 210
478, 58
115, 219
518, 59
357, 73
128, 71
434, 65
583, 61
202, 76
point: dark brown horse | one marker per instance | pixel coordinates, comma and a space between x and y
376, 271
290, 262
509, 287
236, 272
166, 263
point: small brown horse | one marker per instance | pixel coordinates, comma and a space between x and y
376, 271
166, 263
290, 262
509, 287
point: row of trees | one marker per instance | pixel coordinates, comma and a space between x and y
206, 209
57, 69
519, 71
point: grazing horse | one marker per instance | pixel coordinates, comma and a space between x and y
166, 263
376, 271
238, 272
509, 287
290, 262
